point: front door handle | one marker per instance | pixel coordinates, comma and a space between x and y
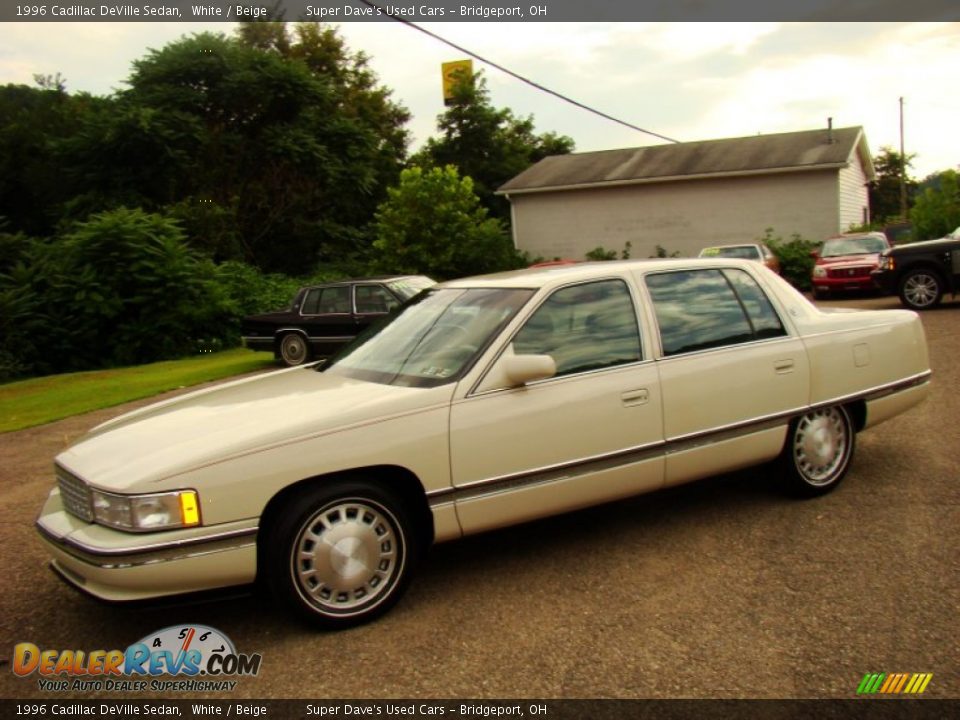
782, 367
632, 398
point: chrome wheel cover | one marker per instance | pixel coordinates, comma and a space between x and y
347, 557
921, 289
821, 446
293, 349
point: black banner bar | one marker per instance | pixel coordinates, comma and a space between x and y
854, 709
340, 11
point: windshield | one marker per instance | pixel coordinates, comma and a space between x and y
853, 246
407, 287
432, 339
744, 252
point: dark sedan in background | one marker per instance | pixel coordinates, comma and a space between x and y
323, 318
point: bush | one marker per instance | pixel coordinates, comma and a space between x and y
796, 263
121, 288
602, 254
433, 223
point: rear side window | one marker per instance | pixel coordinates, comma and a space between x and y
703, 309
584, 327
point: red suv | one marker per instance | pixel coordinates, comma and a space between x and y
845, 262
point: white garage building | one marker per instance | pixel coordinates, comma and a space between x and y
686, 196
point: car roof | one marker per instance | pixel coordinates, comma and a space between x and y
734, 245
858, 235
565, 274
349, 281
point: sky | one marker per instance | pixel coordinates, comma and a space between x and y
686, 81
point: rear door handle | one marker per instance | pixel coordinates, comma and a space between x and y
632, 398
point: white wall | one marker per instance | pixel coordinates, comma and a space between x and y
680, 216
854, 196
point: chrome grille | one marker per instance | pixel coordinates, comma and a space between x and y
75, 495
849, 272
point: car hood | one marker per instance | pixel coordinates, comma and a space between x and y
850, 260
148, 446
926, 246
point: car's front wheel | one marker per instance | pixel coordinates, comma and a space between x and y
818, 451
339, 555
294, 349
921, 289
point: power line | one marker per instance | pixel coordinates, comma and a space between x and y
517, 76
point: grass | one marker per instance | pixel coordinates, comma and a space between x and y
26, 403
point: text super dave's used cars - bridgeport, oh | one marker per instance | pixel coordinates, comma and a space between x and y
479, 403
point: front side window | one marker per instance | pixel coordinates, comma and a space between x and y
374, 299
702, 309
432, 339
583, 327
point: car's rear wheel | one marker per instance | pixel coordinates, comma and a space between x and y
339, 555
921, 289
818, 451
294, 349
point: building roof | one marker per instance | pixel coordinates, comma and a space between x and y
757, 154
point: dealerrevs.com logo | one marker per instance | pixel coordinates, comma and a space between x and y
204, 655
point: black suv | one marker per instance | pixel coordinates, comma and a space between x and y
920, 273
323, 318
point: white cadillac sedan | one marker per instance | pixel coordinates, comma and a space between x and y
479, 403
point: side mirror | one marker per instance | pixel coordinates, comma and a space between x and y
522, 369
814, 254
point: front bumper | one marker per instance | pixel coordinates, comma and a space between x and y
885, 280
842, 284
118, 566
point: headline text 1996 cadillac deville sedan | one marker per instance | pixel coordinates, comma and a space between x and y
479, 403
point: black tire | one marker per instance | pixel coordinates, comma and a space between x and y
338, 554
293, 349
818, 294
921, 289
818, 451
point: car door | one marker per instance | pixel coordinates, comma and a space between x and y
371, 301
731, 374
327, 318
591, 433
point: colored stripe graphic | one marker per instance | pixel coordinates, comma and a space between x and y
870, 683
894, 683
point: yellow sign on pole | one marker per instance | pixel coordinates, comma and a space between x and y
454, 72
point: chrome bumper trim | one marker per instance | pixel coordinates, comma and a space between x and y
149, 554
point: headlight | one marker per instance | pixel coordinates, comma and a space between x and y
887, 263
162, 511
819, 271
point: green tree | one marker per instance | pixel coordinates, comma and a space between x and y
32, 122
936, 211
270, 149
487, 144
433, 223
885, 190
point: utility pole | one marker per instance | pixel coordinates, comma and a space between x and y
903, 169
